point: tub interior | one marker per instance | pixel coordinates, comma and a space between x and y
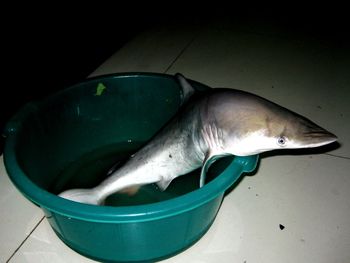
72, 139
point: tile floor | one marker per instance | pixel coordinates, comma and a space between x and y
308, 194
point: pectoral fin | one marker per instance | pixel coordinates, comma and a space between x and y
205, 167
208, 161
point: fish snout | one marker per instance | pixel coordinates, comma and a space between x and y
319, 137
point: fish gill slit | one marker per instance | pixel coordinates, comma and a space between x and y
212, 137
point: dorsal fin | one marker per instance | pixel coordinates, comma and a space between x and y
186, 88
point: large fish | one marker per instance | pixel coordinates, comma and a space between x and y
212, 124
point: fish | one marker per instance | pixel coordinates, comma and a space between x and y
210, 124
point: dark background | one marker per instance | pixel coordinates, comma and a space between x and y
45, 49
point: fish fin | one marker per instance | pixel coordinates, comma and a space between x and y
163, 184
187, 89
205, 167
208, 161
86, 196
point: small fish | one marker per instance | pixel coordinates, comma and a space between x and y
211, 124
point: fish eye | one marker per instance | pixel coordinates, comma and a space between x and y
281, 141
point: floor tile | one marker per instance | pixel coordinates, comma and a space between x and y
18, 216
44, 246
151, 51
303, 75
296, 208
304, 194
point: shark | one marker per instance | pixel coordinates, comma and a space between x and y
210, 124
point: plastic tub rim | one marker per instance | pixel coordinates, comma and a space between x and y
126, 214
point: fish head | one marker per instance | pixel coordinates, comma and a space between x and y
251, 125
299, 132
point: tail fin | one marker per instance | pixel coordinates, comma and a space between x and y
87, 196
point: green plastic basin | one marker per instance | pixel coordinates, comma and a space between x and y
47, 136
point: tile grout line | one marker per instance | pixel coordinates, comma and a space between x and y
35, 227
180, 54
20, 245
338, 156
188, 45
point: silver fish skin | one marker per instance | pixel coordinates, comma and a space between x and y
212, 124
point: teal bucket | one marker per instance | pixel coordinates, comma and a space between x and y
45, 139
